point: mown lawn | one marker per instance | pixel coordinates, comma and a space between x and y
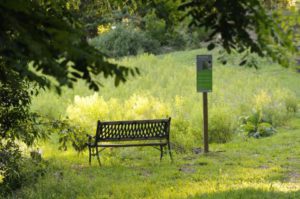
243, 168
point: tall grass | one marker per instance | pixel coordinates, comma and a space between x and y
167, 87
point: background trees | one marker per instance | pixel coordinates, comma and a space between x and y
243, 26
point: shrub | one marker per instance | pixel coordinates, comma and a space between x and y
124, 40
291, 105
275, 106
10, 161
181, 137
17, 126
265, 129
221, 125
144, 107
84, 113
255, 126
155, 28
270, 109
19, 170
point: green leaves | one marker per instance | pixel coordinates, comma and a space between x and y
211, 46
241, 25
44, 32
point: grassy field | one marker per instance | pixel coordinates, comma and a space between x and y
242, 168
167, 87
251, 168
170, 75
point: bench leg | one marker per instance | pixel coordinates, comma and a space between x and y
97, 154
161, 152
170, 153
90, 155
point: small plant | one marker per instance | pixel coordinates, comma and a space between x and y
291, 105
255, 126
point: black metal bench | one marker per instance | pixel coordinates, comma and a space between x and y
130, 134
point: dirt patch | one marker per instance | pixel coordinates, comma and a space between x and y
191, 167
145, 172
187, 169
263, 167
293, 177
197, 151
78, 167
294, 170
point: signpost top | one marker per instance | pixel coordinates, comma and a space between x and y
204, 73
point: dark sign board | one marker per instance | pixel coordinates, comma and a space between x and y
204, 73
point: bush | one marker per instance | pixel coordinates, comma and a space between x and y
155, 28
17, 126
221, 125
255, 126
125, 40
10, 161
270, 109
19, 170
151, 35
275, 107
86, 111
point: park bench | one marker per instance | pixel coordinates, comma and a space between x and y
154, 133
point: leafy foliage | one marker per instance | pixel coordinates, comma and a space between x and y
53, 42
16, 169
255, 126
17, 123
39, 38
17, 126
241, 25
221, 124
125, 40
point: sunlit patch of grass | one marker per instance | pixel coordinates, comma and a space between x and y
253, 168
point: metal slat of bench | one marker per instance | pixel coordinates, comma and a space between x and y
132, 145
136, 130
135, 121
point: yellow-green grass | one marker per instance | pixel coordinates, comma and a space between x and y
244, 168
174, 74
170, 80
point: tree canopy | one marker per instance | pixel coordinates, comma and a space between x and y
44, 38
242, 25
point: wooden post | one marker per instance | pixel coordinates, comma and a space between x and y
205, 123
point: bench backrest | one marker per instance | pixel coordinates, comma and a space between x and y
133, 130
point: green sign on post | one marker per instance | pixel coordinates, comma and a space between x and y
204, 73
204, 85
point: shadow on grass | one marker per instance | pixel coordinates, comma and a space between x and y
249, 193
